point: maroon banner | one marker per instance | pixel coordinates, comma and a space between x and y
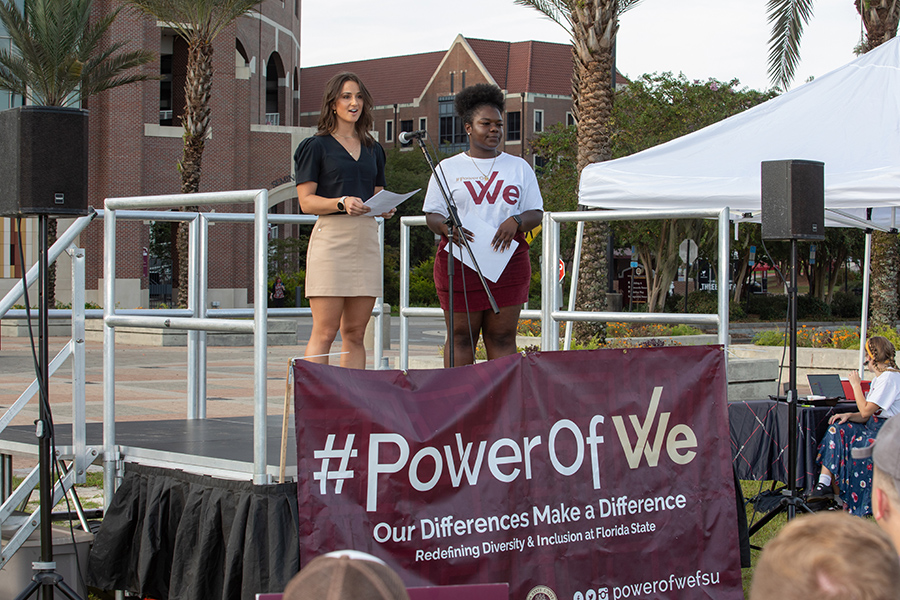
577, 475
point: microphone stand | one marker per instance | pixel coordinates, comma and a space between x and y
454, 225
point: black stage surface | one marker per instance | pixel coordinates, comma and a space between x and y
218, 447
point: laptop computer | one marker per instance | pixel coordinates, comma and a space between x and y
828, 385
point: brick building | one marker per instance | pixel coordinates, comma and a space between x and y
416, 91
135, 145
262, 105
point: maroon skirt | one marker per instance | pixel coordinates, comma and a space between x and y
468, 293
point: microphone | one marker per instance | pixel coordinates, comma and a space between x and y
408, 136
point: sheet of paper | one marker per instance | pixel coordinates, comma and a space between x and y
384, 201
492, 262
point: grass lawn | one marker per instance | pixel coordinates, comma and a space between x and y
751, 489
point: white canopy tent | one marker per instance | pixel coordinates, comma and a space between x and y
848, 119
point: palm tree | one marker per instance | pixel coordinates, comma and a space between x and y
592, 25
57, 60
197, 22
880, 19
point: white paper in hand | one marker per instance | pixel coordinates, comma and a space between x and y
384, 201
492, 262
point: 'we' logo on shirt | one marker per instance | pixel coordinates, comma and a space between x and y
509, 193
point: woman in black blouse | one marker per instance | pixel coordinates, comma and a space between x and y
337, 170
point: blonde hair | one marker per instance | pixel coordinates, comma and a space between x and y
885, 482
881, 351
819, 556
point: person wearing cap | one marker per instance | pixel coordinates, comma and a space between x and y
885, 455
828, 556
346, 575
850, 477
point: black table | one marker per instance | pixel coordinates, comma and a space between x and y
759, 438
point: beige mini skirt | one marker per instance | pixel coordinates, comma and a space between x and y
344, 258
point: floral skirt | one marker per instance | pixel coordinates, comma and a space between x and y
853, 476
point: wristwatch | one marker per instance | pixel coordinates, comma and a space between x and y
518, 219
340, 204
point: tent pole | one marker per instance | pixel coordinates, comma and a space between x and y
573, 285
864, 319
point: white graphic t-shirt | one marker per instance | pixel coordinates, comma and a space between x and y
493, 189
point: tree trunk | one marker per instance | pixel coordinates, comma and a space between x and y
881, 25
594, 108
197, 88
884, 304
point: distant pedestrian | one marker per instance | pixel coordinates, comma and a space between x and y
277, 295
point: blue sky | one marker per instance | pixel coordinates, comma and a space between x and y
701, 38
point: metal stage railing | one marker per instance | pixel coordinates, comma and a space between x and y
79, 454
551, 292
196, 319
551, 296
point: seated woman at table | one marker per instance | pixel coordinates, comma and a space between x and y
849, 477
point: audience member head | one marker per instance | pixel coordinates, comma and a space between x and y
346, 575
828, 555
885, 453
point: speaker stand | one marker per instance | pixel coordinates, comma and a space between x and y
45, 577
792, 500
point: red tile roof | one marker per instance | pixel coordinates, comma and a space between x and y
533, 67
394, 80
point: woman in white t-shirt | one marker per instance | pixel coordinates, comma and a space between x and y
501, 190
851, 477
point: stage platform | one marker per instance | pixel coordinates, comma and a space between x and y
218, 447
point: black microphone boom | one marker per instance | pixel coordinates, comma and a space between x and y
408, 136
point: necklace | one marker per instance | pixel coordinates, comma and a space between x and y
346, 137
490, 169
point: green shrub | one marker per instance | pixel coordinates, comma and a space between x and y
846, 305
683, 329
812, 309
770, 308
703, 302
421, 284
769, 337
888, 332
708, 303
674, 303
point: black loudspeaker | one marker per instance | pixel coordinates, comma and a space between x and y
793, 200
43, 161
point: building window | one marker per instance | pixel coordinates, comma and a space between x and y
389, 131
539, 162
513, 126
166, 109
274, 82
452, 134
423, 123
452, 91
463, 81
570, 119
538, 121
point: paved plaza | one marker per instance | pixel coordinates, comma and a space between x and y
151, 382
